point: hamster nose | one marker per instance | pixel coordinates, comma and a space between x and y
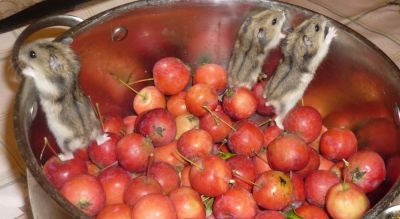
22, 64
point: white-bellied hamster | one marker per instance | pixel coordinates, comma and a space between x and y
54, 68
257, 35
303, 50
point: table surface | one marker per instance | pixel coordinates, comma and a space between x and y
377, 20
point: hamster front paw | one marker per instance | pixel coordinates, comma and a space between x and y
332, 33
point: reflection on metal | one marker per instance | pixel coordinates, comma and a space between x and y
397, 114
119, 33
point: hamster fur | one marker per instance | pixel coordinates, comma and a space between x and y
54, 68
303, 50
256, 37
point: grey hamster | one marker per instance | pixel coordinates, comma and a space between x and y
54, 68
303, 51
258, 34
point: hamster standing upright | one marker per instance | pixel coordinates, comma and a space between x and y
54, 68
256, 37
303, 51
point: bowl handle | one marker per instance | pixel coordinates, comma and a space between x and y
57, 20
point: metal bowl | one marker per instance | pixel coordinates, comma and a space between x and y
126, 41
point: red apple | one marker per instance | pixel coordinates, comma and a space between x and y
305, 121
185, 179
166, 175
176, 104
346, 200
154, 206
311, 212
366, 169
171, 75
157, 124
188, 203
239, 103
244, 171
317, 185
200, 96
273, 190
194, 143
337, 144
112, 124
261, 162
167, 154
271, 132
114, 181
148, 98
117, 211
270, 214
58, 171
247, 139
129, 124
212, 74
237, 202
325, 164
85, 192
288, 152
262, 109
216, 125
139, 187
299, 191
133, 152
104, 153
313, 163
210, 176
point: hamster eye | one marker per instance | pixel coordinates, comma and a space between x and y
274, 21
316, 28
32, 54
260, 33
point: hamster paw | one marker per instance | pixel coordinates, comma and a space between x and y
65, 156
332, 33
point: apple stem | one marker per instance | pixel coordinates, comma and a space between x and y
149, 164
130, 87
99, 116
217, 118
188, 160
142, 80
110, 165
237, 174
346, 165
261, 158
268, 122
302, 101
47, 144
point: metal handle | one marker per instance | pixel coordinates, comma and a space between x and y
58, 20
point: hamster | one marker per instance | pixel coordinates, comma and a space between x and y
54, 68
256, 37
303, 50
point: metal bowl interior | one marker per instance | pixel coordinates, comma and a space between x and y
126, 41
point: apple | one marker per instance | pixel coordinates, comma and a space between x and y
312, 164
58, 171
305, 121
148, 98
346, 200
199, 98
154, 206
237, 202
271, 132
210, 176
157, 124
167, 154
185, 123
129, 124
176, 104
317, 185
195, 143
116, 211
239, 103
337, 144
262, 109
366, 169
85, 192
218, 124
244, 171
270, 214
114, 181
246, 139
261, 162
133, 151
273, 190
139, 187
166, 175
104, 153
171, 75
188, 203
288, 152
112, 124
212, 74
311, 212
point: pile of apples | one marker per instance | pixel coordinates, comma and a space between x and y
197, 149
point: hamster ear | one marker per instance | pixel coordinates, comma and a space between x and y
306, 40
67, 40
53, 62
